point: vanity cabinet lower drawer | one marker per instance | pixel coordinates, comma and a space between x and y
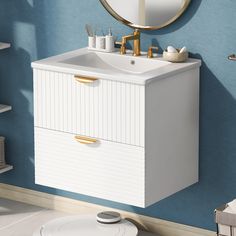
107, 170
105, 109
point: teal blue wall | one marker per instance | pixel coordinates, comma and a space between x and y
41, 28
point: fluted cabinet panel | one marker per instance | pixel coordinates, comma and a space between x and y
108, 170
105, 109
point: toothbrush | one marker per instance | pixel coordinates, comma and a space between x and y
89, 30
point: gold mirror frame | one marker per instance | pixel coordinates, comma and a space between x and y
132, 25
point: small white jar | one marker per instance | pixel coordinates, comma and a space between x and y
100, 42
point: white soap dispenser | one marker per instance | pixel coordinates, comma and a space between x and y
110, 44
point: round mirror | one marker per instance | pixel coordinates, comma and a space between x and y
146, 14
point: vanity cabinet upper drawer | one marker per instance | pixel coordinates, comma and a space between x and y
104, 109
108, 170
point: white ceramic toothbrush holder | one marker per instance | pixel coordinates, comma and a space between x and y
91, 42
100, 42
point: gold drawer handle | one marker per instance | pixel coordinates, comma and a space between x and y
85, 79
85, 140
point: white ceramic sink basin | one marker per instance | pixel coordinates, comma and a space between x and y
113, 66
112, 61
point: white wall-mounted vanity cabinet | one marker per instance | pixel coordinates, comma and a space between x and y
117, 138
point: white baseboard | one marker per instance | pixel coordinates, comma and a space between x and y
157, 226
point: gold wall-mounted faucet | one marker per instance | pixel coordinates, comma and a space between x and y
136, 38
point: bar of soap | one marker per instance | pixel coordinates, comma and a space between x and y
171, 49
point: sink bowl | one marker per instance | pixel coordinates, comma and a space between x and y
115, 62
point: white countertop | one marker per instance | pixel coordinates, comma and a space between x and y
54, 64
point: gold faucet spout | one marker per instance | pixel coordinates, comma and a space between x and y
136, 38
127, 38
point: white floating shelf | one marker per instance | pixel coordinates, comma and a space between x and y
5, 169
4, 45
4, 108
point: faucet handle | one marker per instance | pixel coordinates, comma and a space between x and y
122, 47
150, 51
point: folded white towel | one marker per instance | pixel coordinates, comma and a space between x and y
231, 208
